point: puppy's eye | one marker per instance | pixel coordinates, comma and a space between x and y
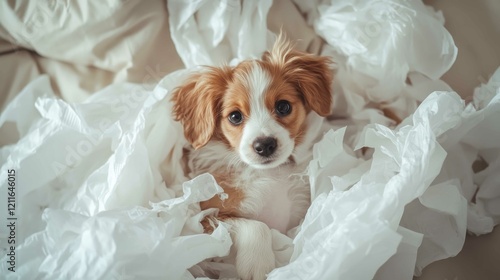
283, 108
235, 117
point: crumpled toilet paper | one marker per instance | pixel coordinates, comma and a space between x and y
391, 53
216, 32
102, 194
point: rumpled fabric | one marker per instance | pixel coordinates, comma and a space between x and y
218, 32
92, 202
102, 194
389, 54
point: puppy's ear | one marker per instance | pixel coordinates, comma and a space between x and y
197, 104
314, 81
311, 74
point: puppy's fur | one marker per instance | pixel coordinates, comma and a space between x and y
245, 125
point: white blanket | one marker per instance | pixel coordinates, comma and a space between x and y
100, 193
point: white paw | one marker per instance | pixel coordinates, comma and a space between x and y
252, 242
256, 267
254, 250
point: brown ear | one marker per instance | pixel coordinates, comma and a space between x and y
315, 82
197, 104
311, 74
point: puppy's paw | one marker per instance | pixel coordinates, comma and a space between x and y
254, 255
257, 267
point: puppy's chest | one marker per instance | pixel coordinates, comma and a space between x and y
278, 197
279, 200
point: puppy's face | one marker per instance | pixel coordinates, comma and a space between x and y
262, 114
257, 108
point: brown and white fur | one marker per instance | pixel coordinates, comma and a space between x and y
243, 132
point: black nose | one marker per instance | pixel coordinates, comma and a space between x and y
265, 146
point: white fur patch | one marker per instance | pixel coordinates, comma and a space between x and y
254, 250
257, 82
260, 123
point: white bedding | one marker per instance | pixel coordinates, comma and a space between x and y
99, 183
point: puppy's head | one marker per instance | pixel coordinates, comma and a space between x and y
257, 108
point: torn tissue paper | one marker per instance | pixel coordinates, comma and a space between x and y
102, 193
389, 52
217, 32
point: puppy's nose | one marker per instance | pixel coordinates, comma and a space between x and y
265, 146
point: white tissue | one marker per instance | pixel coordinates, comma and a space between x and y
399, 189
85, 173
116, 244
388, 52
218, 32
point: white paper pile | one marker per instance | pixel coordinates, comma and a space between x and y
100, 187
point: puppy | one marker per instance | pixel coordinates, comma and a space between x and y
245, 125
